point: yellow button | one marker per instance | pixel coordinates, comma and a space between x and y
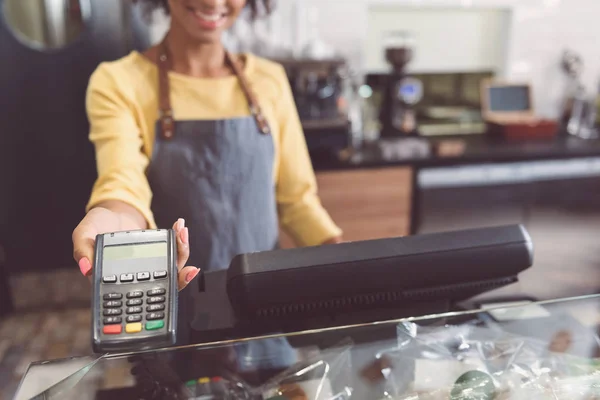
133, 328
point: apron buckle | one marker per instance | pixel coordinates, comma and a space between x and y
260, 120
167, 123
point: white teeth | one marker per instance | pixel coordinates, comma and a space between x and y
209, 17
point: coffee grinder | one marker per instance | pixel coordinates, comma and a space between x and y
402, 92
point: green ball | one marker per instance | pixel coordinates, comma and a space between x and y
473, 385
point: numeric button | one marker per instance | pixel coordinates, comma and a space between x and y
135, 294
112, 296
155, 300
134, 318
156, 292
113, 304
155, 307
112, 311
134, 310
134, 302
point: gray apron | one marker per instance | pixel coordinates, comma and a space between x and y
218, 176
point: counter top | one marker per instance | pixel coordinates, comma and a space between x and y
477, 149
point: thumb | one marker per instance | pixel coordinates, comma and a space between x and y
186, 275
83, 250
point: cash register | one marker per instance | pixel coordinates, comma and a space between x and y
350, 283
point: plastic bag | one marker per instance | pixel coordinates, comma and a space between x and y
470, 362
324, 376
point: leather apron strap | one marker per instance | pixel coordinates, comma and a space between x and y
166, 111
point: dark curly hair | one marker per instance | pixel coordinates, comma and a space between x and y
257, 7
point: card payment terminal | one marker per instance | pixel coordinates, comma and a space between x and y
134, 296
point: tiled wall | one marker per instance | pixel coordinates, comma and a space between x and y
539, 31
444, 39
539, 36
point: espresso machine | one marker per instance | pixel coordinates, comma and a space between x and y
402, 92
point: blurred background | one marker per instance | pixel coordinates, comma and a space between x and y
420, 116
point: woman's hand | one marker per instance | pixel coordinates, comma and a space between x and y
186, 274
114, 219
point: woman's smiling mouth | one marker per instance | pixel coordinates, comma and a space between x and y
209, 20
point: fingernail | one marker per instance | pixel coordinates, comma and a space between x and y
191, 275
85, 266
180, 224
185, 235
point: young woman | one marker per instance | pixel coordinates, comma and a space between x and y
192, 137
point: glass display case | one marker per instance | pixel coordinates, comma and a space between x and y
516, 350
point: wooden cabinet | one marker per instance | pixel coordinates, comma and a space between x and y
366, 203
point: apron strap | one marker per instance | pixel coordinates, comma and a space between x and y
166, 111
250, 96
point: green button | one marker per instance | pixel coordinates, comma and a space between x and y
153, 325
190, 383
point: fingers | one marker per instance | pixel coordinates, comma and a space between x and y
83, 249
186, 275
183, 243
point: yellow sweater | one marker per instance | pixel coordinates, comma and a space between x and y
122, 106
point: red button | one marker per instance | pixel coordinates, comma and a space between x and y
112, 329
